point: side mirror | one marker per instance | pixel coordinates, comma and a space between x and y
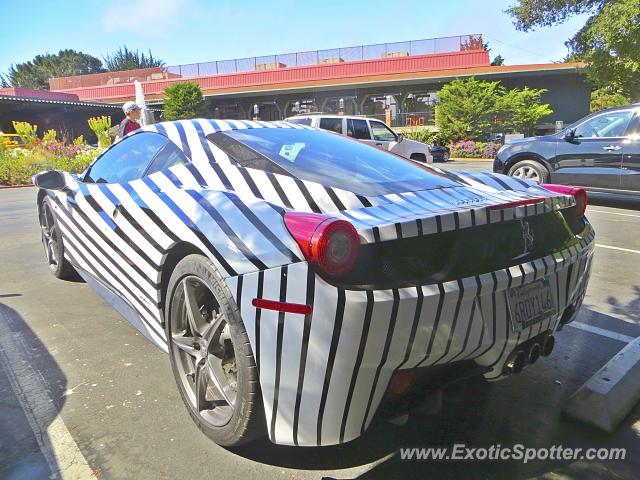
50, 180
399, 137
570, 135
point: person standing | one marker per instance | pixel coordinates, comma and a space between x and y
130, 123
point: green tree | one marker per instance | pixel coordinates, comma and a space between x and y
183, 100
520, 110
37, 72
602, 98
125, 59
472, 109
497, 60
609, 41
467, 108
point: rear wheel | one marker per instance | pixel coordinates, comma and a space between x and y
211, 357
53, 244
530, 170
419, 157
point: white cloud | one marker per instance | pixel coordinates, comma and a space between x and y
143, 16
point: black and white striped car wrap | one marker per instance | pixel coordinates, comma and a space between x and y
322, 375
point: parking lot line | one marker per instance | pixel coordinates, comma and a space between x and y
56, 443
602, 332
628, 250
614, 213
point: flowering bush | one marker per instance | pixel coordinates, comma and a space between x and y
18, 165
471, 149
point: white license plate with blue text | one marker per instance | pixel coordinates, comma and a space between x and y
530, 303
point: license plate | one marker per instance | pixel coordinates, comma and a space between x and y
529, 304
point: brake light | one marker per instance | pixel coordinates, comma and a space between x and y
580, 194
327, 242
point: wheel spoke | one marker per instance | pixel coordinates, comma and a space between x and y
219, 386
191, 305
185, 343
211, 332
201, 380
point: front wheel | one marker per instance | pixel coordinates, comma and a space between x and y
210, 354
53, 244
530, 170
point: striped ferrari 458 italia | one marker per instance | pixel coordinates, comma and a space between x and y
304, 283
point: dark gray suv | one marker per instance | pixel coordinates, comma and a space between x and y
600, 152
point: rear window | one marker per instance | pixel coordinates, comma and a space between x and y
328, 159
300, 121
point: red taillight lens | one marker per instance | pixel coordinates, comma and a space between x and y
580, 194
329, 243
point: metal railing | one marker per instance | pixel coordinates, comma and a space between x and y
278, 61
332, 55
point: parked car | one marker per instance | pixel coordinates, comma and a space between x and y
600, 152
12, 140
440, 153
303, 283
367, 130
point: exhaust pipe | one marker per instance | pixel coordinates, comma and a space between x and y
534, 353
516, 362
547, 345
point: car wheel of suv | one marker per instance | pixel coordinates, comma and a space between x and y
419, 157
530, 170
211, 356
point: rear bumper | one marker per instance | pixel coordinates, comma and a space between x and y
323, 376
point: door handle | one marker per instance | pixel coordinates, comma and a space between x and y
378, 144
612, 148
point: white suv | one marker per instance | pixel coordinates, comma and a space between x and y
367, 130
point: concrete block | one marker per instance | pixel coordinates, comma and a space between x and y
609, 395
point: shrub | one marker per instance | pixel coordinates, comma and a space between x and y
50, 136
101, 126
18, 165
26, 130
183, 100
471, 149
490, 150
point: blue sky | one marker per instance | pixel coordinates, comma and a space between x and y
188, 31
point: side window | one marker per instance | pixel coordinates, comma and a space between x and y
127, 159
331, 124
612, 124
382, 132
168, 156
358, 129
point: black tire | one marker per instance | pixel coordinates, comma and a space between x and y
53, 243
531, 170
231, 415
419, 157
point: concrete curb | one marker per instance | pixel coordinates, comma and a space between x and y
7, 187
471, 159
609, 395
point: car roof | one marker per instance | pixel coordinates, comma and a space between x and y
329, 115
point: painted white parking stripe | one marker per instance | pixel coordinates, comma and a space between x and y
613, 213
56, 443
602, 332
628, 250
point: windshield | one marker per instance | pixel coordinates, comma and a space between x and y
329, 159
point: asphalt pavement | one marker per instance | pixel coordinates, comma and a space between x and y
79, 387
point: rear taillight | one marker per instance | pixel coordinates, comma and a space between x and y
327, 242
580, 194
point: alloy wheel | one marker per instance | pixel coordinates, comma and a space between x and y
203, 351
49, 236
527, 172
